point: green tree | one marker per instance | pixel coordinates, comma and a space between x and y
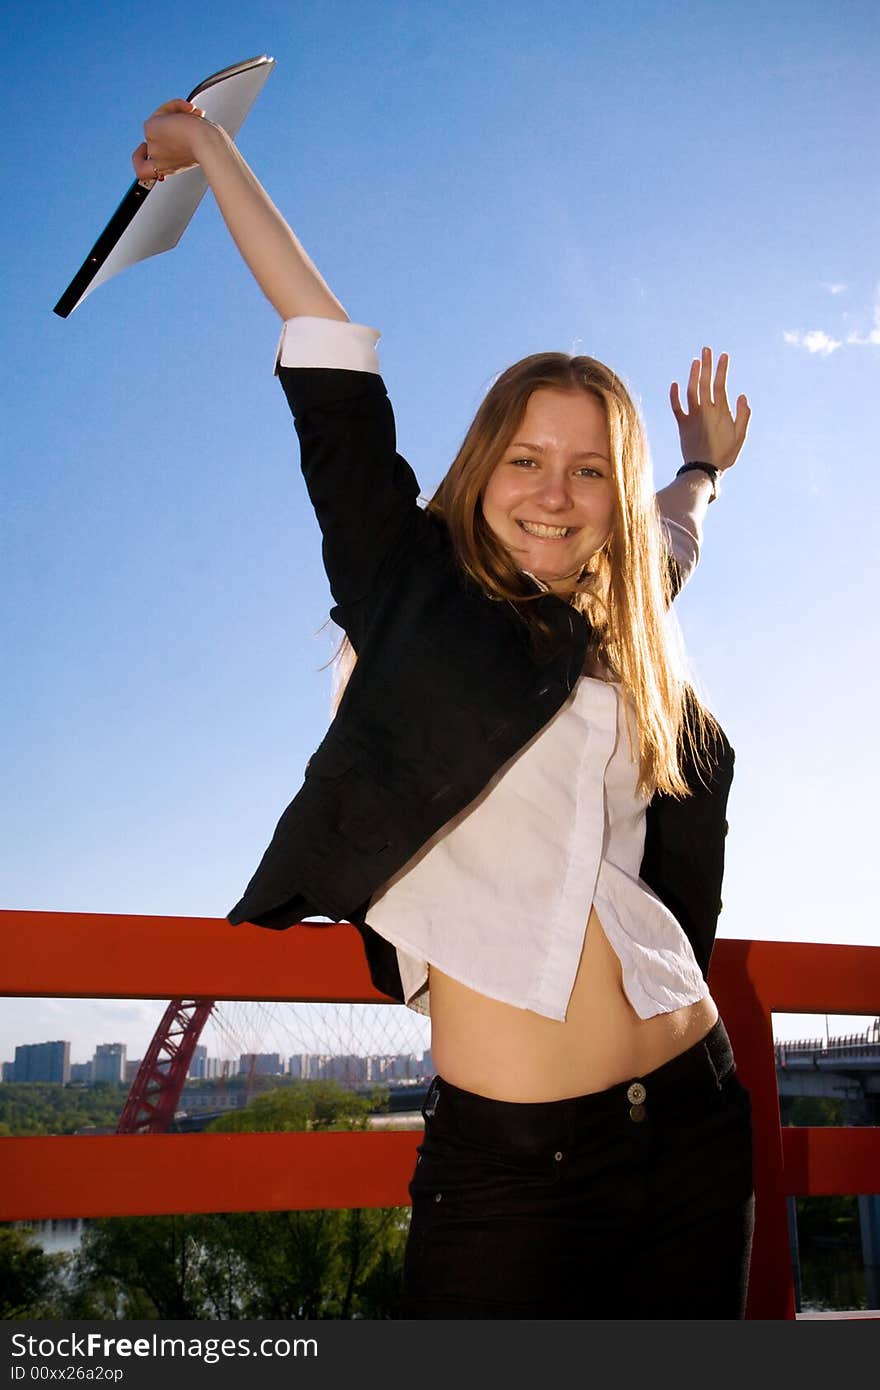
812, 1110
279, 1264
306, 1105
316, 1264
42, 1107
31, 1282
141, 1267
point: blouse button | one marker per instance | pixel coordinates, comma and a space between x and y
636, 1093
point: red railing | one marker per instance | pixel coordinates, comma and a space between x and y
68, 955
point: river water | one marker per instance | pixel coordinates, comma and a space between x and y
56, 1236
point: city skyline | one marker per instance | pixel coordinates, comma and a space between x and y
787, 1027
49, 1063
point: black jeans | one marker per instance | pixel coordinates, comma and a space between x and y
635, 1202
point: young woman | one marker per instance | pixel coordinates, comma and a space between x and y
521, 805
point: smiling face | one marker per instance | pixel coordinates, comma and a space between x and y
551, 498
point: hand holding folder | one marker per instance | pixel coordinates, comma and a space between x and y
154, 214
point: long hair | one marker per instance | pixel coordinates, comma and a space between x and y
624, 591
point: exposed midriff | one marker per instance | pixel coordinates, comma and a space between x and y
507, 1053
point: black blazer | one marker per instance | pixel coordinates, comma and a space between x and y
446, 690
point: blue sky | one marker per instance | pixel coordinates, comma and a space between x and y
478, 181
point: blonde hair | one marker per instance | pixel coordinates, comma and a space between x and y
624, 591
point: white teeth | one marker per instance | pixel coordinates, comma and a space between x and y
534, 528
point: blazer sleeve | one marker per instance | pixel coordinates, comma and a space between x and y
365, 495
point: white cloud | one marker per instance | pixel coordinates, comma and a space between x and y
860, 339
832, 286
818, 341
873, 336
814, 341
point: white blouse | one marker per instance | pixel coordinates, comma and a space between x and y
500, 897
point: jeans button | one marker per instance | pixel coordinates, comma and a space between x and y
636, 1093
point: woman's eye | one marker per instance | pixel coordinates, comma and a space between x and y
523, 463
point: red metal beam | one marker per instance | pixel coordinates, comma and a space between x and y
831, 1162
804, 977
201, 1172
750, 980
107, 955
156, 1174
95, 955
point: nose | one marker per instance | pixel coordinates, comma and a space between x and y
553, 491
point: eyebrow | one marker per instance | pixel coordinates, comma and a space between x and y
536, 449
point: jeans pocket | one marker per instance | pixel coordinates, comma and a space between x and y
464, 1173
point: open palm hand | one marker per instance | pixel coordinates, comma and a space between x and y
708, 431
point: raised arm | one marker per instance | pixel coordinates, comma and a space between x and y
364, 494
709, 434
178, 136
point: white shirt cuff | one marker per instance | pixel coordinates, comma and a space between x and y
315, 342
